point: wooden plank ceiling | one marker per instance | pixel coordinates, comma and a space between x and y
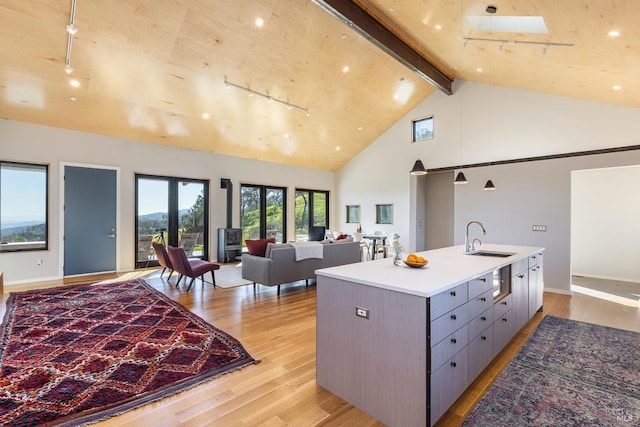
149, 69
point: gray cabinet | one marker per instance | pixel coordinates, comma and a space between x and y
480, 352
536, 283
520, 292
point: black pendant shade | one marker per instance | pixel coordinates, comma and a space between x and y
460, 178
418, 168
489, 185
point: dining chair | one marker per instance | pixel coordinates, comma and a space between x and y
191, 268
163, 258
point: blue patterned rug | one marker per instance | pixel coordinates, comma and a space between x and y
568, 373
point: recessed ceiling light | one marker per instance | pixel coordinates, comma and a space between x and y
74, 83
614, 33
616, 87
438, 27
345, 69
259, 22
286, 135
73, 99
360, 128
344, 36
391, 9
479, 70
338, 148
205, 116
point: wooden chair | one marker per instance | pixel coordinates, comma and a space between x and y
190, 268
163, 258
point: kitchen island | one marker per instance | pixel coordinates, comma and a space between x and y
403, 343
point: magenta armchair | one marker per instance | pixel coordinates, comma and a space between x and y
163, 258
193, 269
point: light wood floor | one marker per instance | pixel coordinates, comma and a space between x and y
280, 331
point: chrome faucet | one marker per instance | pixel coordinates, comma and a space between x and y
467, 245
473, 244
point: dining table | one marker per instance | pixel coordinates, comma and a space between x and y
374, 242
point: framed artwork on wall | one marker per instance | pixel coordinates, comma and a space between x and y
353, 214
384, 214
422, 129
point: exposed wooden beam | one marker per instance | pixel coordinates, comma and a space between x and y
376, 32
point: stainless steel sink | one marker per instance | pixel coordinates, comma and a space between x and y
491, 253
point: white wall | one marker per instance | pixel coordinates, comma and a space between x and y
605, 226
482, 123
40, 144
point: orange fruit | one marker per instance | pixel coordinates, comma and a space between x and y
420, 260
411, 258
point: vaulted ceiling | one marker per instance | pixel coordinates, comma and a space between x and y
155, 70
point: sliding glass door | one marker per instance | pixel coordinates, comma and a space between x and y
312, 210
172, 211
263, 212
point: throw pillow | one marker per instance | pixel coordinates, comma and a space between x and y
342, 236
259, 246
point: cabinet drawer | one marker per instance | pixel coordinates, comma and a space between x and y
503, 331
480, 303
444, 325
480, 323
447, 383
479, 285
519, 267
448, 300
501, 306
480, 352
535, 259
449, 346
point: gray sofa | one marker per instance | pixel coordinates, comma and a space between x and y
279, 264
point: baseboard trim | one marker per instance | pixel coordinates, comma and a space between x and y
559, 291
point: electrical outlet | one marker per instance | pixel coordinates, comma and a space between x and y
539, 228
362, 312
39, 261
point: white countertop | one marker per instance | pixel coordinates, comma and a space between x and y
447, 268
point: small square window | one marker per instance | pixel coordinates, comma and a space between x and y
353, 214
384, 214
422, 129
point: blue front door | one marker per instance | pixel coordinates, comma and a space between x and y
89, 220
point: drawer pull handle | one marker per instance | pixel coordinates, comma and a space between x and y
453, 317
483, 318
453, 341
483, 338
504, 320
483, 299
453, 293
453, 364
521, 276
484, 279
504, 302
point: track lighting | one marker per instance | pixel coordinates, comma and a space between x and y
545, 45
71, 31
266, 96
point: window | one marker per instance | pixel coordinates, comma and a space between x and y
384, 214
263, 212
353, 214
24, 214
172, 211
312, 210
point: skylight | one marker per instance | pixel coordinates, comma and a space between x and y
509, 24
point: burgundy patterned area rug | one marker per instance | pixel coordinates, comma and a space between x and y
568, 373
74, 355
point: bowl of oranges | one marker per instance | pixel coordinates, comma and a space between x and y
415, 261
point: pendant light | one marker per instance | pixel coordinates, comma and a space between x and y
460, 178
489, 186
418, 168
